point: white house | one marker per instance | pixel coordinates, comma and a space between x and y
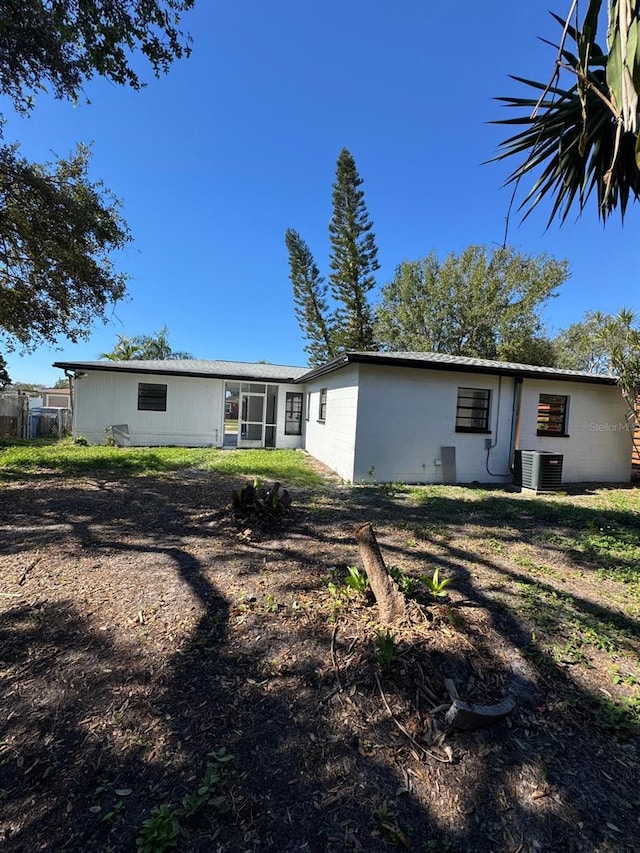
187, 402
404, 417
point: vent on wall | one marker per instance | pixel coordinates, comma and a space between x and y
538, 470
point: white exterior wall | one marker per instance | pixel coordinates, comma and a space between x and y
333, 442
288, 442
598, 445
405, 417
383, 423
389, 424
194, 416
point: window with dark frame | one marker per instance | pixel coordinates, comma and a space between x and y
152, 397
472, 410
293, 413
552, 414
322, 408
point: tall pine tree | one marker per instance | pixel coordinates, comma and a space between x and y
348, 323
353, 259
309, 297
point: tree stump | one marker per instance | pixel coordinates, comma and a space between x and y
391, 602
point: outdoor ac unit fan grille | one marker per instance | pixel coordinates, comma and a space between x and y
538, 470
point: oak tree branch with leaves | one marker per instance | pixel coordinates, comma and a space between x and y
482, 303
59, 229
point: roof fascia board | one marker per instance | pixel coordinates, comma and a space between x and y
79, 366
323, 369
380, 360
343, 360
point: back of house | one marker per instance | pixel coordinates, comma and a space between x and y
370, 417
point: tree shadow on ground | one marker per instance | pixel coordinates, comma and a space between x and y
98, 732
567, 740
319, 764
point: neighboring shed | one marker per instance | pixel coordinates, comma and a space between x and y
56, 398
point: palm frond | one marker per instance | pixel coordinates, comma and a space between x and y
571, 139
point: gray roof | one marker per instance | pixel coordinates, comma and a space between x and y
464, 364
259, 372
242, 370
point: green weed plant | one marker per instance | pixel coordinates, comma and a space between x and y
436, 586
161, 830
357, 580
387, 648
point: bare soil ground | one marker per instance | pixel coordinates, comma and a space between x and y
142, 630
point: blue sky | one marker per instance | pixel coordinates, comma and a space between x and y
214, 161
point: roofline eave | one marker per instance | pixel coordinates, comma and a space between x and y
452, 367
79, 366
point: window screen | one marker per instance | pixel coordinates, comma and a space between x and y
293, 414
152, 397
552, 414
472, 411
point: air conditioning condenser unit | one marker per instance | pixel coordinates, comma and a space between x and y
539, 470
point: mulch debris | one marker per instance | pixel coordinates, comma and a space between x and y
144, 627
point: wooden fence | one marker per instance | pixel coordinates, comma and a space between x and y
14, 416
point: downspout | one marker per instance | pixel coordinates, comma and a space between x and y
515, 420
70, 375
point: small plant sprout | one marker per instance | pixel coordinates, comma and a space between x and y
390, 490
387, 648
391, 828
405, 583
332, 583
436, 586
357, 580
192, 803
253, 502
271, 604
160, 831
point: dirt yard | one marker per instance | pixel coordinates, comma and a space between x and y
155, 653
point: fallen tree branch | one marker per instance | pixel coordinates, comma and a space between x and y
333, 657
421, 749
31, 565
462, 715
